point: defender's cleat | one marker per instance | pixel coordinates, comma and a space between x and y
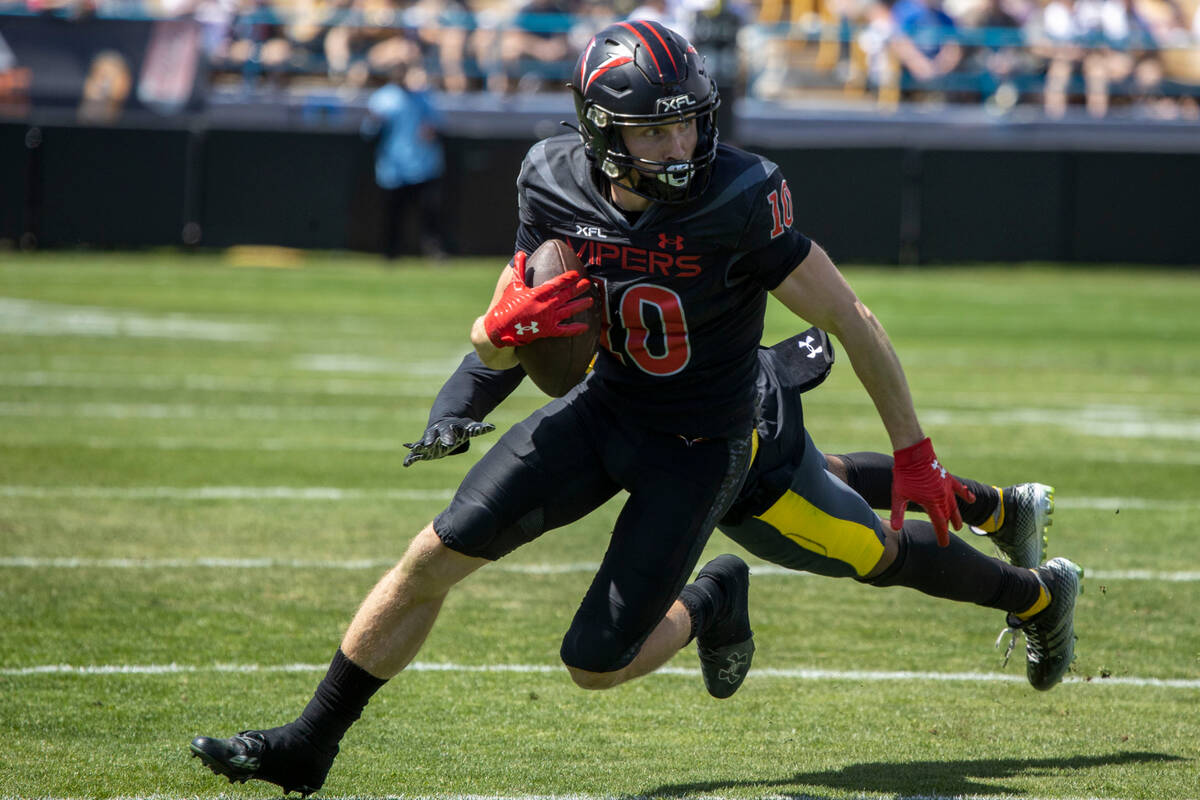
1028, 513
727, 647
1050, 634
247, 755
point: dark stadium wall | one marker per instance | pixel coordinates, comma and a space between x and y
64, 186
14, 174
109, 187
288, 188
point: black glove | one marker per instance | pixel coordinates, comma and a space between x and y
444, 437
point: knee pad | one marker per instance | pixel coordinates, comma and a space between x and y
596, 648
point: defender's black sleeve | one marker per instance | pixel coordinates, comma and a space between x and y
474, 390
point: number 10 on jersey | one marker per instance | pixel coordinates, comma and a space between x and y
656, 333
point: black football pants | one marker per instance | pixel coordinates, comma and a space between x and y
566, 460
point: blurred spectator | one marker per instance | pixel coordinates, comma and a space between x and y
14, 84
1181, 62
105, 89
523, 47
258, 43
1108, 42
715, 30
874, 40
999, 58
408, 160
591, 17
372, 39
1059, 45
672, 13
443, 28
216, 21
1175, 61
925, 42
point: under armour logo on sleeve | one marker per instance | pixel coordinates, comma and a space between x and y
812, 351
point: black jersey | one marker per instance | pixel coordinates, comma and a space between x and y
684, 287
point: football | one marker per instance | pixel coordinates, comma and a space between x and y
557, 363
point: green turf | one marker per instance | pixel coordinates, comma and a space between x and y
129, 380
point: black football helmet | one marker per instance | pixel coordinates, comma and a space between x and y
637, 74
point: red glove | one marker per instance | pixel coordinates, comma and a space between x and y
523, 314
917, 476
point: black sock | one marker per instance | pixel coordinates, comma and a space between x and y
980, 511
337, 703
958, 572
870, 474
703, 599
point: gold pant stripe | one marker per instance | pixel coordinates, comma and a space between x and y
813, 529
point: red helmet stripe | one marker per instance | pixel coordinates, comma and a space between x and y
583, 62
612, 61
658, 35
649, 49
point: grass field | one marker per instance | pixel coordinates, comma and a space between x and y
200, 477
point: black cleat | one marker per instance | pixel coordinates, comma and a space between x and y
249, 755
1050, 635
727, 647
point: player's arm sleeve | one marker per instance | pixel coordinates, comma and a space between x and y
529, 238
529, 233
772, 243
474, 390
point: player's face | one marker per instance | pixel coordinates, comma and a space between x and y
663, 143
673, 142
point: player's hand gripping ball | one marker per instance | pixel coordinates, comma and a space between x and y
557, 362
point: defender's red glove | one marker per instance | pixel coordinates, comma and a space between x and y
523, 314
917, 476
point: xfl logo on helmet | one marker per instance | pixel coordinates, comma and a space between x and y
665, 105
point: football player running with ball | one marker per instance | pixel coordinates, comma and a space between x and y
685, 237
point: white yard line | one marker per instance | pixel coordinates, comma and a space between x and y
855, 676
195, 382
336, 493
759, 570
20, 317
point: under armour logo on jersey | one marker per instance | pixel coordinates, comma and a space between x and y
813, 352
524, 329
674, 242
738, 664
936, 467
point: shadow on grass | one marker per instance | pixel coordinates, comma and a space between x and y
921, 778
